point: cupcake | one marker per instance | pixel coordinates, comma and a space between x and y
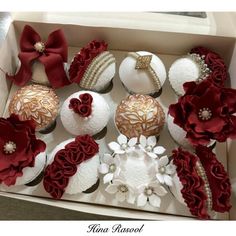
142, 72
139, 115
36, 102
22, 155
85, 113
42, 62
197, 180
93, 67
199, 64
72, 167
137, 171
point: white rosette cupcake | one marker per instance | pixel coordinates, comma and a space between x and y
93, 67
72, 167
85, 112
142, 72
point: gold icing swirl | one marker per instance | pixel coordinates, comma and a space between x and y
139, 114
36, 102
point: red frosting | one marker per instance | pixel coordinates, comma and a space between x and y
193, 190
215, 63
217, 177
66, 162
22, 134
82, 60
220, 101
82, 106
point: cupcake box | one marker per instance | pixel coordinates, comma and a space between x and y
168, 46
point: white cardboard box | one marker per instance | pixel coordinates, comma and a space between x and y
168, 45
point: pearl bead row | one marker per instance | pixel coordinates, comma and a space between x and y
150, 71
93, 72
201, 172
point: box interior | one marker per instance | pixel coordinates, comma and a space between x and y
168, 46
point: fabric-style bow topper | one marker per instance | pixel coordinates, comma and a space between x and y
52, 55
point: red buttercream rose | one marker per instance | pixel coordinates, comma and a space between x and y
215, 63
66, 162
206, 112
18, 148
82, 60
193, 190
83, 107
217, 177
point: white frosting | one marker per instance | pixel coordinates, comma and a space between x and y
77, 125
39, 75
177, 133
181, 71
87, 172
139, 81
30, 173
105, 78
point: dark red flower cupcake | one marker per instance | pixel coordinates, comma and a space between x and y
18, 148
206, 112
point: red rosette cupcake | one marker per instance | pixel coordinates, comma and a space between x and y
203, 182
22, 155
93, 67
72, 167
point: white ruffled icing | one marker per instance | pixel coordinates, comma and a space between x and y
181, 71
87, 172
139, 81
30, 173
77, 125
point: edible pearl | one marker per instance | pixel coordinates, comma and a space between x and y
162, 169
112, 168
123, 188
149, 148
205, 113
124, 146
39, 46
148, 191
9, 147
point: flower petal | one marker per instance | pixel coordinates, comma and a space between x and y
141, 200
160, 190
151, 141
108, 177
160, 178
117, 160
131, 198
114, 146
132, 142
154, 200
111, 188
103, 168
170, 169
168, 180
152, 155
122, 139
159, 150
107, 158
120, 197
163, 161
143, 141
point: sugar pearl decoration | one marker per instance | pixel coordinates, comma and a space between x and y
9, 147
148, 191
78, 125
138, 80
39, 47
205, 113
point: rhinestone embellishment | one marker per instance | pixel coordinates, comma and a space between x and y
39, 47
143, 62
123, 188
9, 147
203, 67
205, 113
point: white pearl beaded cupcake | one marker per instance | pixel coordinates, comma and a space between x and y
142, 72
93, 67
85, 112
